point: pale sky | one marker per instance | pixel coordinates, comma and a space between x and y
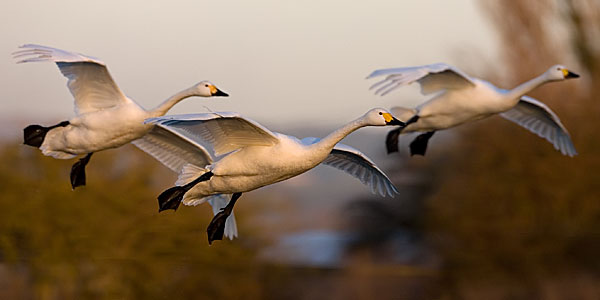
282, 62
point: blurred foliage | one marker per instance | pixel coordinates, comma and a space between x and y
511, 216
107, 240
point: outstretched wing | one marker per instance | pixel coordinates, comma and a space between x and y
539, 119
223, 132
355, 163
89, 81
172, 149
432, 78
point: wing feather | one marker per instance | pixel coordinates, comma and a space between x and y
355, 163
223, 132
172, 150
89, 81
432, 78
536, 117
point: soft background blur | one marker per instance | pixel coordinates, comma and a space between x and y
492, 212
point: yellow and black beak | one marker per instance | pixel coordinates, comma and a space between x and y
390, 120
568, 74
217, 92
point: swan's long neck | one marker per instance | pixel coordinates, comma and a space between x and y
164, 107
526, 87
327, 143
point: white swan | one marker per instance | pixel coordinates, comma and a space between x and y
249, 156
459, 99
104, 117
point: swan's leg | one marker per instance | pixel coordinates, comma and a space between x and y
419, 145
171, 198
391, 140
33, 135
216, 228
78, 171
414, 119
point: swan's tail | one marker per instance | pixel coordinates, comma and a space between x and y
188, 173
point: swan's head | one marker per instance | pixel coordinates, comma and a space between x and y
380, 117
559, 72
207, 89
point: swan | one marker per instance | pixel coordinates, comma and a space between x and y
104, 117
247, 156
460, 98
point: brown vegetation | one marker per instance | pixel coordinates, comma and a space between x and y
518, 219
107, 240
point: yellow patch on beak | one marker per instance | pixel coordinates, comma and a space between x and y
388, 117
213, 89
565, 72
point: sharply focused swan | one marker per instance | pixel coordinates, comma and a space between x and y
459, 99
248, 156
104, 117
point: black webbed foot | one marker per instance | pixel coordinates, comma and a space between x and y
391, 140
78, 171
216, 228
172, 197
419, 145
34, 135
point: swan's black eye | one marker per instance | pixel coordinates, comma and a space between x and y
206, 85
557, 69
380, 113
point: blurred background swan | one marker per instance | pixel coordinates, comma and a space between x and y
459, 98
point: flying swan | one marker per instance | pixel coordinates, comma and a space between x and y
104, 117
248, 156
459, 99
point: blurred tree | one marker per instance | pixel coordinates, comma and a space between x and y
107, 241
516, 218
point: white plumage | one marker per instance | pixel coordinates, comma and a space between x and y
104, 117
459, 98
251, 156
243, 155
